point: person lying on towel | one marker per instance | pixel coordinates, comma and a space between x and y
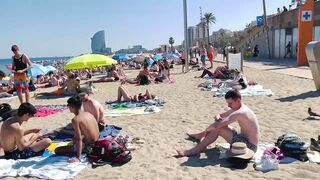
18, 143
127, 97
86, 131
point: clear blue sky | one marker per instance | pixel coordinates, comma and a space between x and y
64, 27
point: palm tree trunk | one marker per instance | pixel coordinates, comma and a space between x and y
208, 35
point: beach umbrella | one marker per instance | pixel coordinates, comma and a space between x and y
139, 59
150, 61
170, 56
89, 61
7, 78
50, 68
157, 57
38, 69
120, 57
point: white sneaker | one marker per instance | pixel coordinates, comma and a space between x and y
267, 163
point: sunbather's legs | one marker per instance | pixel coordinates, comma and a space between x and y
41, 144
123, 92
205, 72
209, 138
148, 95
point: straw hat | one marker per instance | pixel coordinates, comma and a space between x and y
240, 150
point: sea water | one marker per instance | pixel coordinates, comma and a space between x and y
48, 60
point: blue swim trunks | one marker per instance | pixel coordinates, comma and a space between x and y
203, 58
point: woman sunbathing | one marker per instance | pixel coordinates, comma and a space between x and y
220, 72
127, 97
145, 73
239, 80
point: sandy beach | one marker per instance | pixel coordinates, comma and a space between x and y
188, 109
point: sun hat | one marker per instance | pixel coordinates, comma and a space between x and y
240, 150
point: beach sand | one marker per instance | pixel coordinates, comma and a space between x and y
188, 109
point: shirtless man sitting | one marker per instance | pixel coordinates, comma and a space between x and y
86, 131
20, 144
247, 120
94, 107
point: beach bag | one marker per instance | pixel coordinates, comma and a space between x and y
291, 145
109, 150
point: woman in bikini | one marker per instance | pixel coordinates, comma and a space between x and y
127, 97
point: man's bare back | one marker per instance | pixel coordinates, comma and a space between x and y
248, 123
95, 108
10, 130
88, 126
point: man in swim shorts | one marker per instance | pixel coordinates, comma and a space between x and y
18, 143
239, 112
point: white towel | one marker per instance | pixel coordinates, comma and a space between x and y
55, 167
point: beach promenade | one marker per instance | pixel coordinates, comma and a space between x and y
281, 66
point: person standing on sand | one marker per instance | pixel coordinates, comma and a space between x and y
247, 120
20, 66
203, 54
211, 55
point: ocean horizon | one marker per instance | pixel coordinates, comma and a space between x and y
4, 62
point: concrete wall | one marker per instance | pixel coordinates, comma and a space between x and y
283, 28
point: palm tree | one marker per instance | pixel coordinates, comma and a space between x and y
209, 18
171, 42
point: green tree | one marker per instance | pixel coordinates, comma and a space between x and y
171, 42
209, 19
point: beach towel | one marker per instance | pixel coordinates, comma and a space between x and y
109, 130
53, 167
128, 111
46, 110
7, 98
122, 105
254, 90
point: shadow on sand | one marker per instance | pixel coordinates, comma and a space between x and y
212, 160
306, 95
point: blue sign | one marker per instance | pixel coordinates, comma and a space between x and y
260, 21
306, 15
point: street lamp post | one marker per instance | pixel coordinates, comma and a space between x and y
186, 41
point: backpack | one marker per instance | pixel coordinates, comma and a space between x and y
292, 146
109, 150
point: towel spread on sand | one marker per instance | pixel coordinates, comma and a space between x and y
54, 167
109, 130
46, 110
149, 102
8, 98
254, 90
128, 111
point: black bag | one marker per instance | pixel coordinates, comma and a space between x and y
292, 146
109, 150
